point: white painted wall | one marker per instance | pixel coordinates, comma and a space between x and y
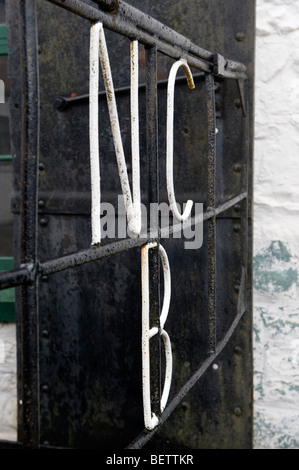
276, 238
276, 230
8, 389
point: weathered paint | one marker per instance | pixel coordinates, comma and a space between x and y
272, 268
276, 210
8, 390
276, 345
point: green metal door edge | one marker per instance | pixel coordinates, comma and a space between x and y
3, 40
7, 296
5, 158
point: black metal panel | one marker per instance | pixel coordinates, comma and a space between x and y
89, 316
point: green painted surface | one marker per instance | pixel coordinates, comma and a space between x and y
7, 296
271, 272
3, 40
5, 158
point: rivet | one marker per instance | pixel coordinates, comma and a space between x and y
236, 228
215, 366
45, 333
236, 288
41, 203
237, 208
41, 167
238, 350
44, 278
240, 36
238, 411
45, 388
237, 167
43, 222
237, 103
184, 405
59, 103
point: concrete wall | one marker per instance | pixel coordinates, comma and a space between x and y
276, 218
276, 240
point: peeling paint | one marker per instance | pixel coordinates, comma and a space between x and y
276, 345
271, 271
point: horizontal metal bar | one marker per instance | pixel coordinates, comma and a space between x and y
5, 158
165, 33
134, 24
98, 252
16, 277
207, 215
26, 274
146, 436
108, 5
91, 254
160, 30
62, 102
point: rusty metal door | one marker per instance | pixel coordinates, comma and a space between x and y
79, 322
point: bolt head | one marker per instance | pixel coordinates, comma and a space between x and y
240, 36
43, 222
237, 167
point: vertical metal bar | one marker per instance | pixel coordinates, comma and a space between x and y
135, 148
246, 204
211, 200
28, 248
152, 135
95, 179
153, 199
